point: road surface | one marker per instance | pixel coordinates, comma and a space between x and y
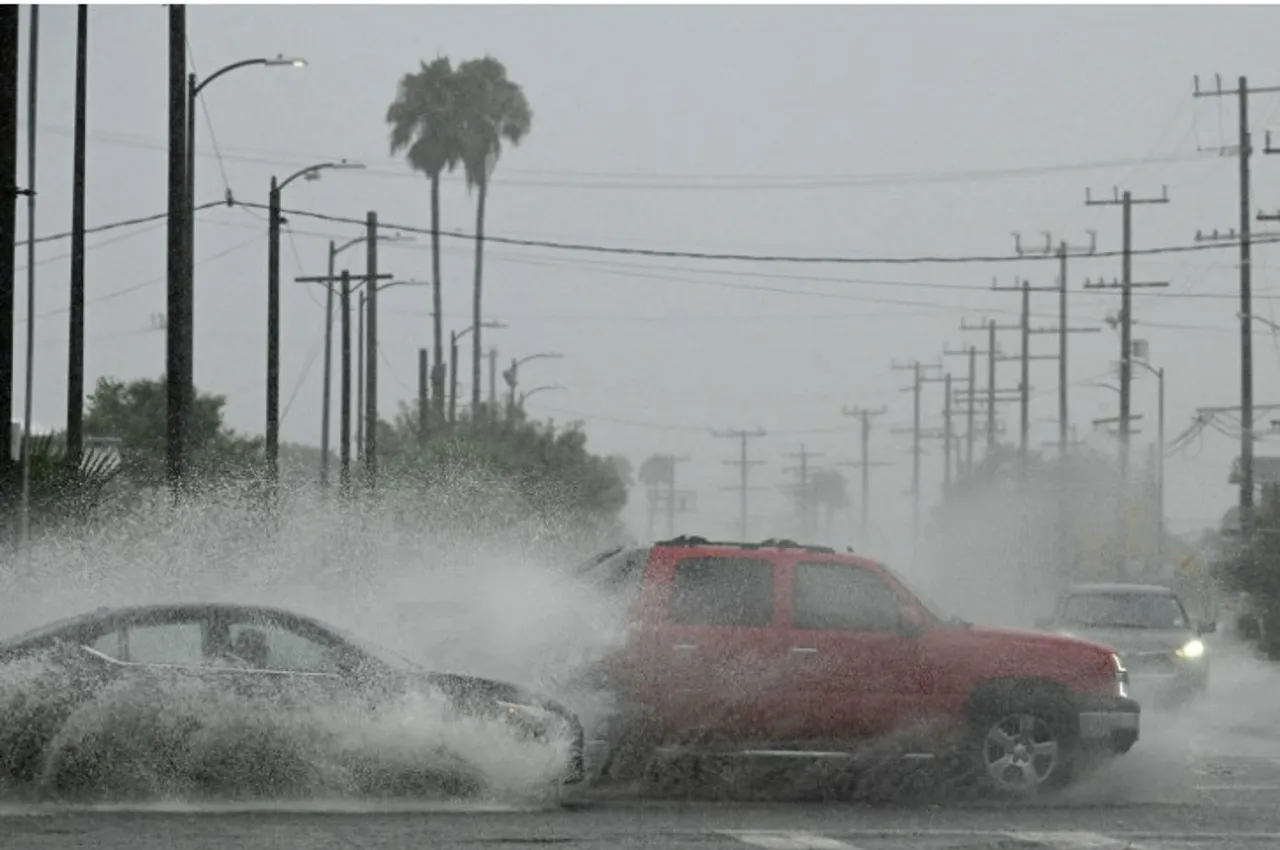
1205, 778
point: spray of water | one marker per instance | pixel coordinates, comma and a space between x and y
485, 601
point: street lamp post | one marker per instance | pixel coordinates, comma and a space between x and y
194, 88
273, 308
545, 388
1159, 373
512, 375
454, 336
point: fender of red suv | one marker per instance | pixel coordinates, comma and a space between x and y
963, 659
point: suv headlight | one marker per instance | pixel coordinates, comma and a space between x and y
1192, 649
1122, 676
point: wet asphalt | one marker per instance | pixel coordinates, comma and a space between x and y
1205, 777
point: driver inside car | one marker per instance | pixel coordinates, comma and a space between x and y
250, 646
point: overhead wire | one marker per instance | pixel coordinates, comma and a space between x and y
658, 181
144, 284
581, 247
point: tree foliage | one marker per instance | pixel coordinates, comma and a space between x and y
135, 414
61, 492
492, 475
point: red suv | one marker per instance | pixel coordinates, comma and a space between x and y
784, 650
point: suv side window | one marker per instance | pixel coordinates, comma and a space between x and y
843, 596
722, 591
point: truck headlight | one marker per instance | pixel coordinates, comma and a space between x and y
1122, 676
1193, 648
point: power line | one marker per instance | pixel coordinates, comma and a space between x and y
578, 247
642, 271
107, 296
114, 225
659, 181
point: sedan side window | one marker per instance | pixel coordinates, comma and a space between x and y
268, 646
166, 643
840, 596
111, 645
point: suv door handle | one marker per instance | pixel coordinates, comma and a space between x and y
684, 647
804, 650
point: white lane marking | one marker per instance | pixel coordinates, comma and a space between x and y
786, 839
1076, 840
1238, 787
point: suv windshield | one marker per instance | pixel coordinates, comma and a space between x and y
1125, 611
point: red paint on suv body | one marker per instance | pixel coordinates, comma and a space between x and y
746, 644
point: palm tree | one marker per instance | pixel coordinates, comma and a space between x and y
424, 124
493, 110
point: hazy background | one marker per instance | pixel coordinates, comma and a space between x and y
833, 131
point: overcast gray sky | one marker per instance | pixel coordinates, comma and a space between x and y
821, 130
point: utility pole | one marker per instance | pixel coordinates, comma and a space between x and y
493, 384
423, 413
865, 463
326, 403
328, 280
33, 65
75, 342
744, 465
178, 316
803, 500
360, 349
1062, 251
8, 222
1244, 150
994, 355
916, 368
1125, 285
1025, 357
344, 425
272, 442
947, 433
371, 392
968, 428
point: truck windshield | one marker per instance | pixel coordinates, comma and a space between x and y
1125, 611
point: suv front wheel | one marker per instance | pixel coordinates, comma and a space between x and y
1022, 746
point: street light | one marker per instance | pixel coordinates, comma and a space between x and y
1159, 373
546, 388
512, 375
334, 251
188, 260
454, 336
273, 306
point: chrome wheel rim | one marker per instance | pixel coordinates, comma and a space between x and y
1020, 752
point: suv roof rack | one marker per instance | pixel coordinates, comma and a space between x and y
770, 543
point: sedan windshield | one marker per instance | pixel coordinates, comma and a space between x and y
1125, 611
